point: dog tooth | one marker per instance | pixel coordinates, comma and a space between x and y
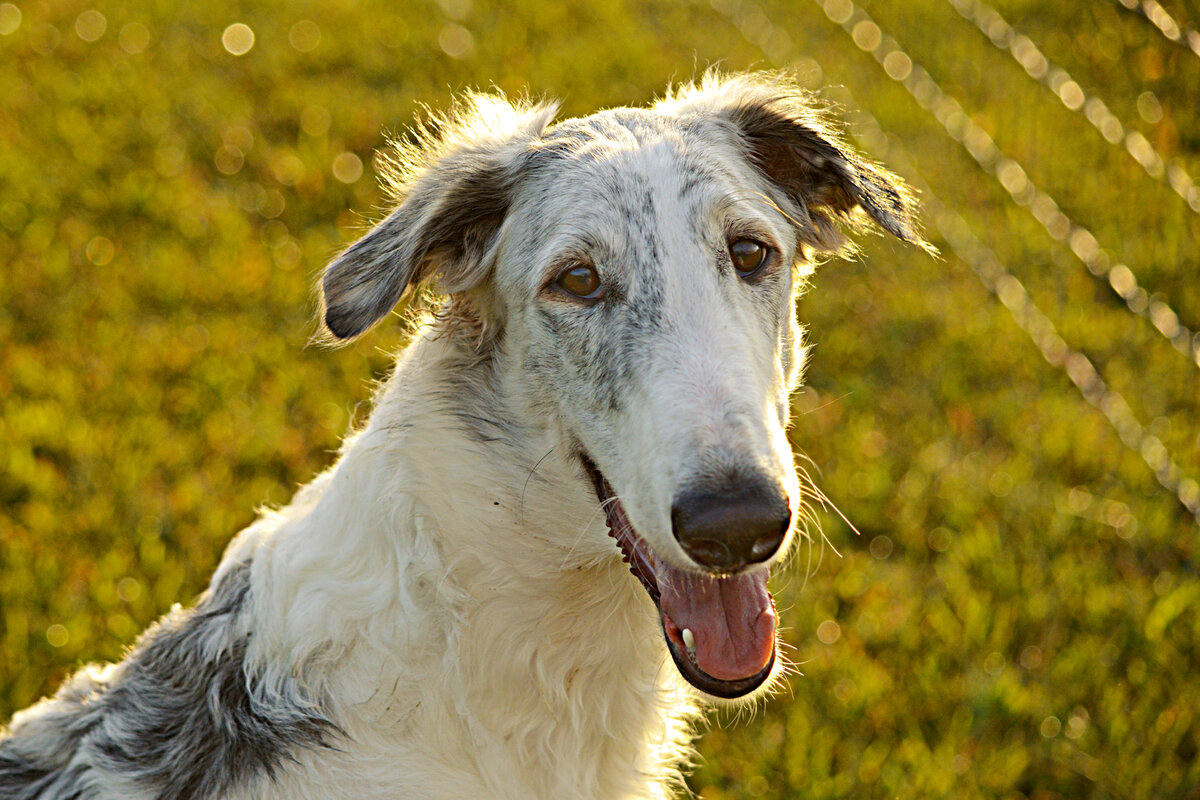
689, 640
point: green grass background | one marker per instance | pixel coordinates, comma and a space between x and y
1018, 615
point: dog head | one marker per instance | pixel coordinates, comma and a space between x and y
639, 268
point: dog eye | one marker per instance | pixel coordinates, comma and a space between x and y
748, 256
581, 281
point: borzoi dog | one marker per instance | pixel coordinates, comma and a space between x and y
449, 611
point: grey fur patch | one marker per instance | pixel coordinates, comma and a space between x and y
182, 717
23, 780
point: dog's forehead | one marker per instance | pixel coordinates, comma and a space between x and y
612, 131
613, 160
629, 175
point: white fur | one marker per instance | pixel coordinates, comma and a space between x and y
472, 649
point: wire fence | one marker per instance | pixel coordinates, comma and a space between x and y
1060, 83
1011, 175
1000, 281
1165, 23
757, 28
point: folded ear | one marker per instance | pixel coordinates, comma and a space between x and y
453, 189
787, 136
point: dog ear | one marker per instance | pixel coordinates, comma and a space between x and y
787, 136
452, 190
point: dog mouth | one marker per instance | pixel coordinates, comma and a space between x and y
720, 629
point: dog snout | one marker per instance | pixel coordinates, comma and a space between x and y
725, 531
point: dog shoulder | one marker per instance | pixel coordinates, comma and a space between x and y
184, 715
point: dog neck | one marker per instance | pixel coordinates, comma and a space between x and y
449, 587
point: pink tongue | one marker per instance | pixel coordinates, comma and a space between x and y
732, 619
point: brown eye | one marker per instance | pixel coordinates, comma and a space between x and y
582, 281
748, 256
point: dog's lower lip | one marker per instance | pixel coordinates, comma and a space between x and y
728, 690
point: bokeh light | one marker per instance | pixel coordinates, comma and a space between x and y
238, 38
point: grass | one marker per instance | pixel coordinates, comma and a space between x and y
1018, 615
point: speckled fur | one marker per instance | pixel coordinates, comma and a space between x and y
442, 613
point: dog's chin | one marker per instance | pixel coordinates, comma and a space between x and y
743, 653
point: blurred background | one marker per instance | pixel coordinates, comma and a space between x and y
1011, 429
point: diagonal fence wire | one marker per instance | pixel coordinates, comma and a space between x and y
1166, 24
901, 68
1079, 368
1060, 83
991, 271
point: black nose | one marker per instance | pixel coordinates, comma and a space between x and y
725, 531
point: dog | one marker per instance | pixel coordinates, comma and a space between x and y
547, 549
